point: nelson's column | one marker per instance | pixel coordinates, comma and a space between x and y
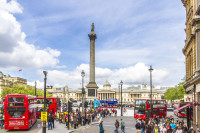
92, 86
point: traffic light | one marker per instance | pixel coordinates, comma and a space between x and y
69, 106
47, 102
86, 104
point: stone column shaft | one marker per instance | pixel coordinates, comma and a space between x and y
92, 60
198, 49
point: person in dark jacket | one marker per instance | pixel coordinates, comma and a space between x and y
142, 126
116, 126
49, 119
138, 125
148, 128
52, 119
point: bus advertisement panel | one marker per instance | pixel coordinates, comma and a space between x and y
142, 108
19, 111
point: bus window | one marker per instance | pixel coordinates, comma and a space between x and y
16, 112
15, 99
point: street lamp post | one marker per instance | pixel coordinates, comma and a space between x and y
45, 79
35, 88
121, 83
150, 70
83, 90
119, 91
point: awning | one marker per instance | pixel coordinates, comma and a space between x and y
183, 107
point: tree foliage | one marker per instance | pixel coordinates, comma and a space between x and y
16, 89
176, 92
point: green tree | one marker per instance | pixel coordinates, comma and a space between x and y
16, 89
170, 94
176, 92
180, 91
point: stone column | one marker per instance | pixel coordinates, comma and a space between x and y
92, 86
198, 49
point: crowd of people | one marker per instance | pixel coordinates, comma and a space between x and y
78, 118
162, 125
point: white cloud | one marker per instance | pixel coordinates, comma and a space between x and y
39, 84
136, 74
15, 51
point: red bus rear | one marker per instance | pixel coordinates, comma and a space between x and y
53, 107
142, 108
19, 111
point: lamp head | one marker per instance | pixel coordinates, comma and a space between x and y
150, 69
45, 72
121, 83
82, 73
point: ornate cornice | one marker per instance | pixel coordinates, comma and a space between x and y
184, 2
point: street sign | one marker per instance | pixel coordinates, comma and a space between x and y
43, 116
188, 97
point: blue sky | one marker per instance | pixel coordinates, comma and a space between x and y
131, 36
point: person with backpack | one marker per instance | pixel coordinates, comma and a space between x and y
138, 126
122, 126
116, 126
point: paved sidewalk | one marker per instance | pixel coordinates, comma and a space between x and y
61, 128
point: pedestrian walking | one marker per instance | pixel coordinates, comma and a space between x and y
148, 128
49, 119
122, 126
138, 126
52, 119
142, 126
116, 126
163, 129
1, 120
185, 129
179, 130
101, 129
156, 129
173, 125
75, 122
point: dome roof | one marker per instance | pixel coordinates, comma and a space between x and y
106, 83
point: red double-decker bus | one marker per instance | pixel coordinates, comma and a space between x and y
19, 111
142, 108
54, 105
179, 110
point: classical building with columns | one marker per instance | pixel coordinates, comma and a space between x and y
128, 94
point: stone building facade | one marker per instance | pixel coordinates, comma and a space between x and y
191, 51
128, 95
7, 81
